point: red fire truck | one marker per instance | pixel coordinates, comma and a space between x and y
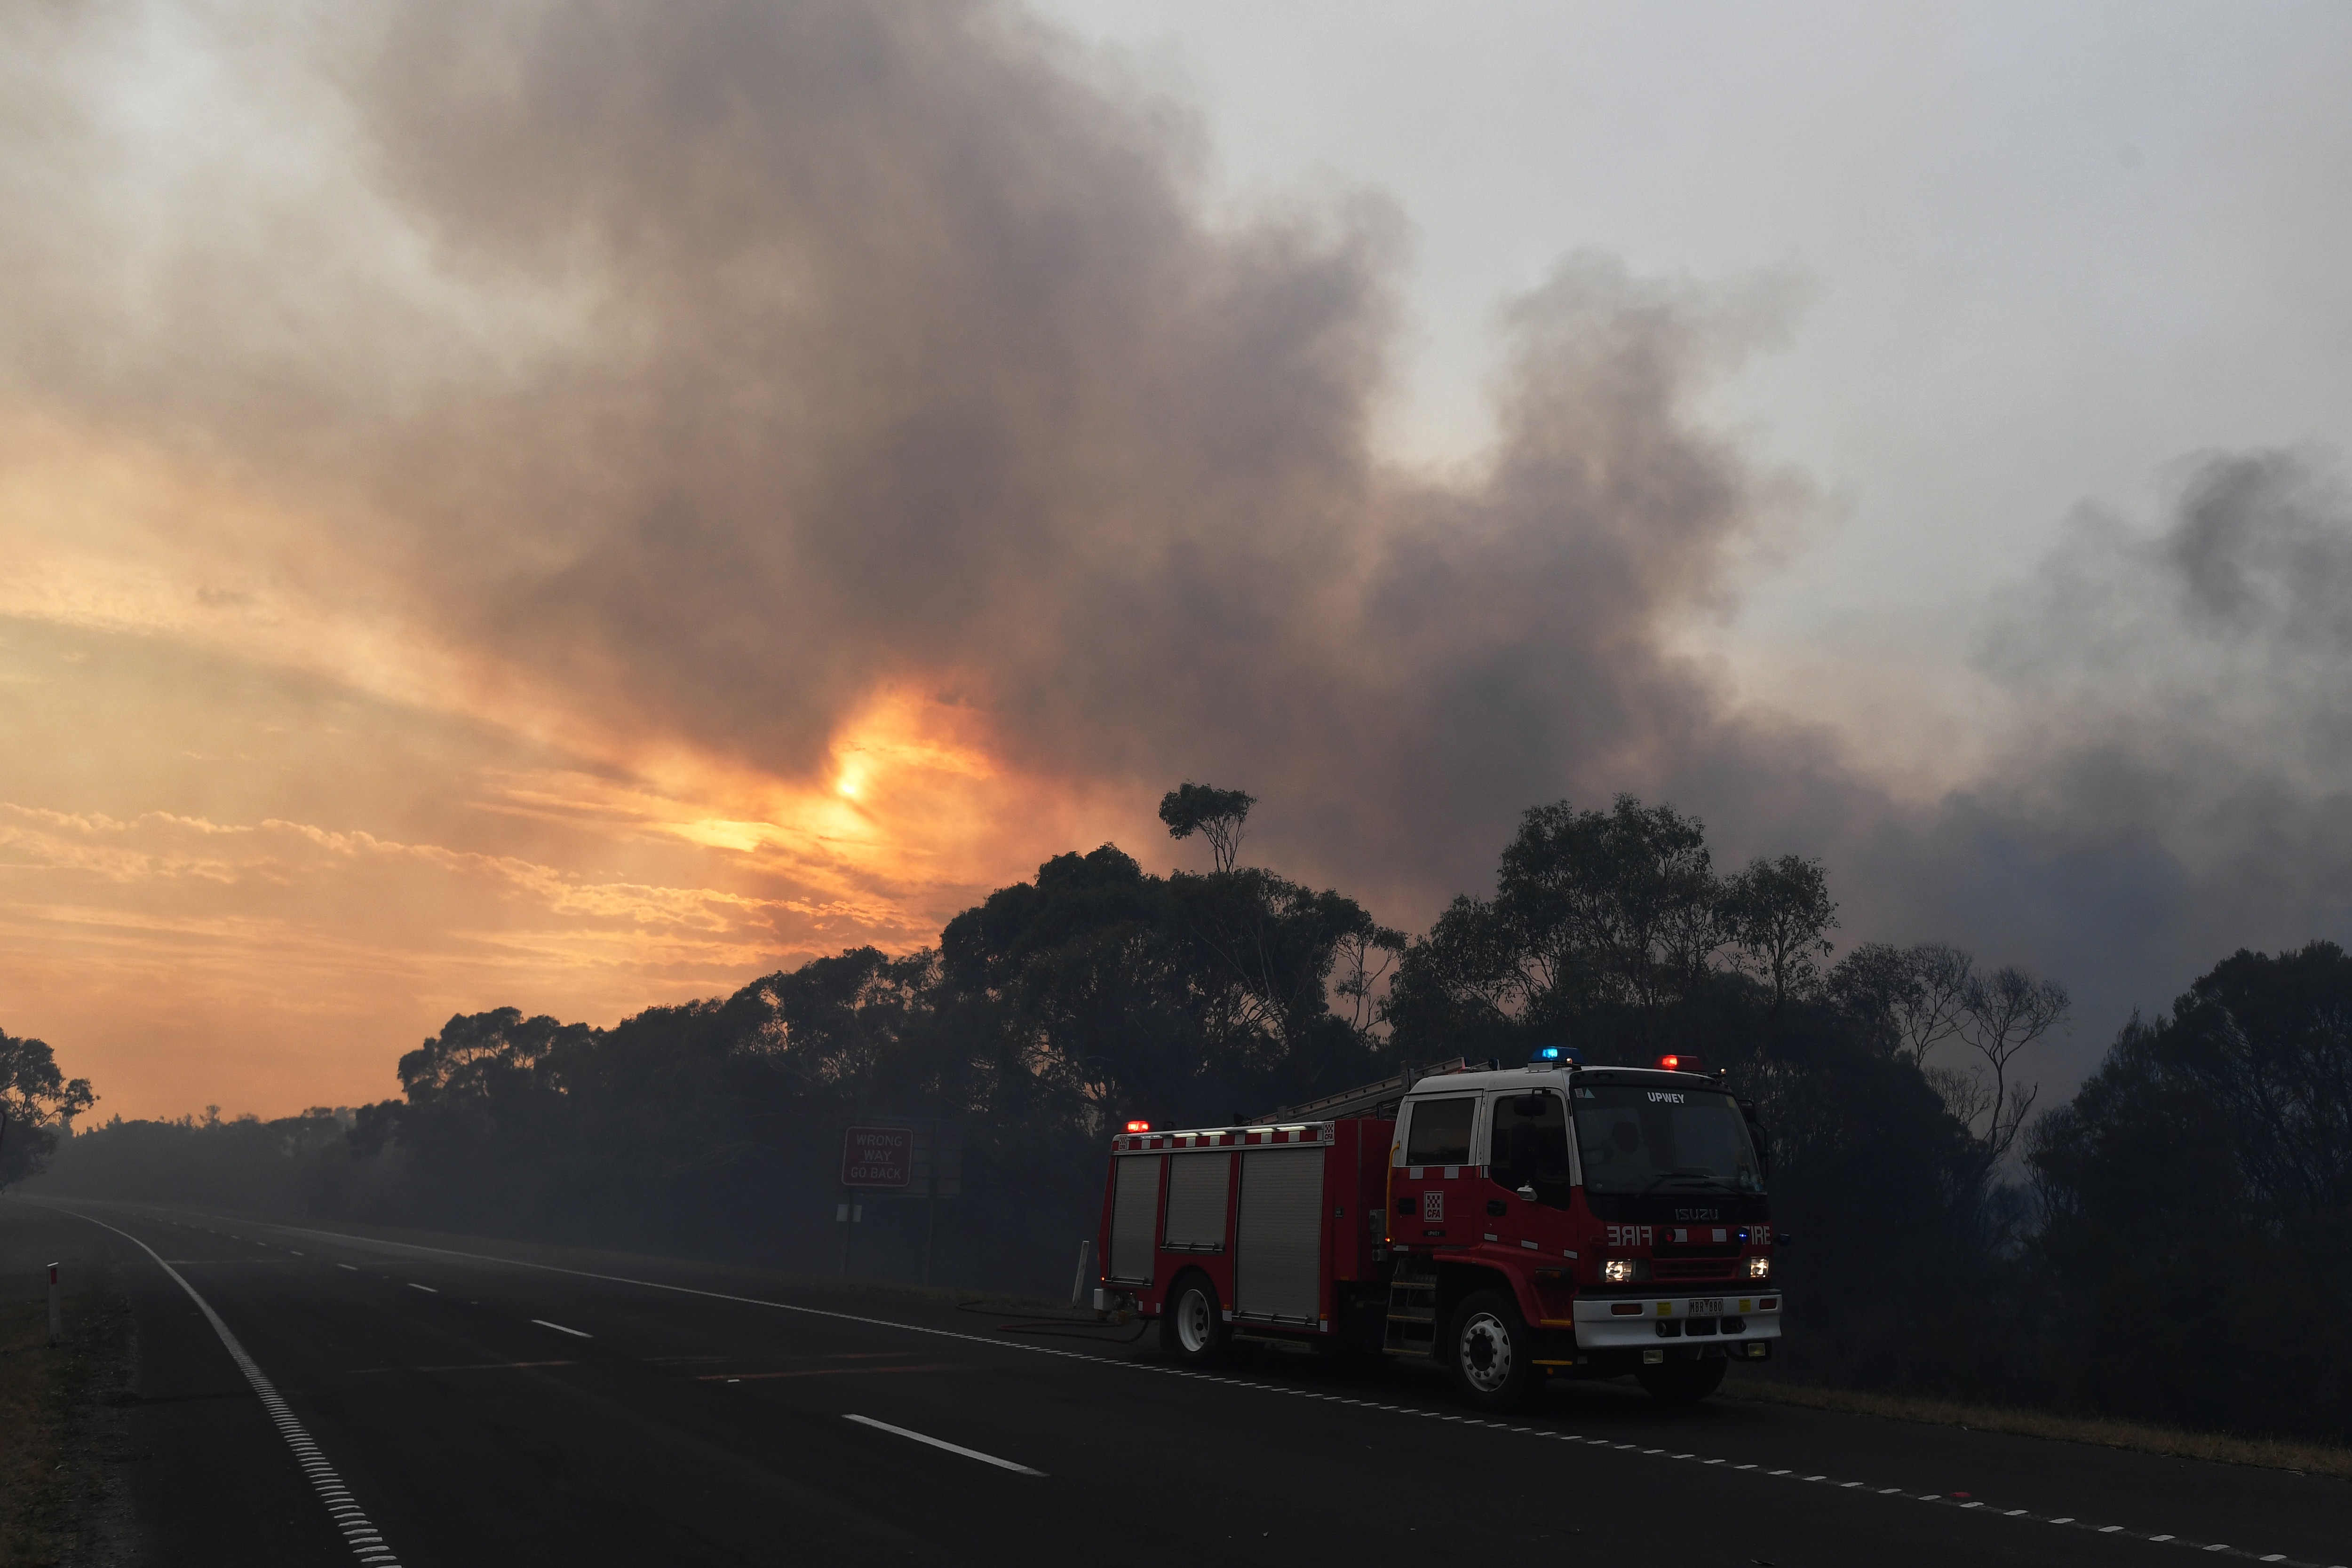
1513, 1225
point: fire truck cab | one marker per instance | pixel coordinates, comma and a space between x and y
1511, 1225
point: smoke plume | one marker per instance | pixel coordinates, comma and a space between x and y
683, 376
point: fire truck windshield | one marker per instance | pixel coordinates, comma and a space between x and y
1633, 1138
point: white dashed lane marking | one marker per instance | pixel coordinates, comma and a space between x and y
942, 1443
1161, 1369
559, 1328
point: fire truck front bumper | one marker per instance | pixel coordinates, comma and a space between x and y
1605, 1322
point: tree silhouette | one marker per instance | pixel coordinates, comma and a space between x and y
34, 1096
1780, 912
1215, 814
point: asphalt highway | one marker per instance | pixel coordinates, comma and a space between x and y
484, 1405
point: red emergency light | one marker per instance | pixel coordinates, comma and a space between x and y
1139, 1127
1673, 1063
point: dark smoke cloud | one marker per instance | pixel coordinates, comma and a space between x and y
915, 358
800, 348
2176, 784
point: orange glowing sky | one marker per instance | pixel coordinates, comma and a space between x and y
270, 812
254, 846
577, 507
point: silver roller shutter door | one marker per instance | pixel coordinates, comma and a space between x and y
1197, 1185
1278, 1248
1134, 1208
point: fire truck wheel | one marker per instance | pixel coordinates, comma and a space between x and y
1193, 1330
1492, 1352
1683, 1381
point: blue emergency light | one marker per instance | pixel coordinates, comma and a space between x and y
1553, 1055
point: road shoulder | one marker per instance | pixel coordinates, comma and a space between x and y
62, 1493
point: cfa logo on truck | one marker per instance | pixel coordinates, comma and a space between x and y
1433, 1204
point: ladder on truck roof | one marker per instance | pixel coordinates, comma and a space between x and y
1380, 1099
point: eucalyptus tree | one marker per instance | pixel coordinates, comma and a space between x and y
36, 1099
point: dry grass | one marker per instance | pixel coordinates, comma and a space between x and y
2220, 1448
34, 1405
49, 1477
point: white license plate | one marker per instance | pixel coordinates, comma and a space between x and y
1707, 1307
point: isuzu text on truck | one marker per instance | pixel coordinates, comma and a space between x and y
1513, 1225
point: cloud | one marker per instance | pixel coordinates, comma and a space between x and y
280, 860
2220, 642
830, 455
912, 361
2178, 779
858, 351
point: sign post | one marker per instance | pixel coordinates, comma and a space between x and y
847, 1215
921, 1156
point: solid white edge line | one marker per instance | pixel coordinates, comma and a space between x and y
559, 1328
839, 1317
289, 1427
942, 1443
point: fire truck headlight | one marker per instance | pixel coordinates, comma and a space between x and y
1759, 1267
1618, 1271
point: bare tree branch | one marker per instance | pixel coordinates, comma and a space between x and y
2001, 1015
1933, 1011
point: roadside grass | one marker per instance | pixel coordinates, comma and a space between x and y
2140, 1437
50, 1475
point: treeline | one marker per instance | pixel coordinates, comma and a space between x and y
1094, 992
2192, 1254
2172, 1244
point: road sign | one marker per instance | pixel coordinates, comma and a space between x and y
877, 1156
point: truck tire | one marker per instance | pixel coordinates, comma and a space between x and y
1492, 1353
1192, 1328
1682, 1382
